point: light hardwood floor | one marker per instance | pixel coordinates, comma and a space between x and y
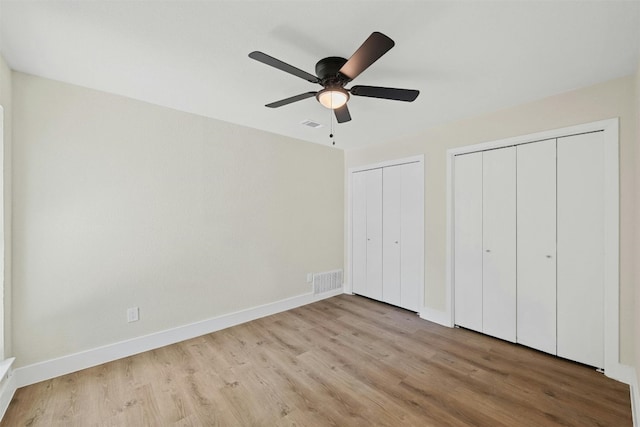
344, 361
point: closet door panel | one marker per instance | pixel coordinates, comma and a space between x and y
468, 240
412, 236
536, 245
359, 233
374, 233
392, 220
499, 242
580, 248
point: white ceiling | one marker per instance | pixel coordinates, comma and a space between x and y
466, 58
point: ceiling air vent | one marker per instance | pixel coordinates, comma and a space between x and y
311, 124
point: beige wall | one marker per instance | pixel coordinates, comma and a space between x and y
603, 101
119, 203
5, 102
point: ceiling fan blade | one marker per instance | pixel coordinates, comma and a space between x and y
291, 99
342, 114
408, 95
276, 63
371, 50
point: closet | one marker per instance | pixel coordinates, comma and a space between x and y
387, 226
529, 245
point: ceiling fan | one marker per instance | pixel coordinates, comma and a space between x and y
333, 73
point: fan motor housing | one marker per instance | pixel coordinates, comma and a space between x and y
328, 68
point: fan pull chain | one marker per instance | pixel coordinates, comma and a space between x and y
331, 121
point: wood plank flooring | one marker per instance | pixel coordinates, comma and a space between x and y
344, 361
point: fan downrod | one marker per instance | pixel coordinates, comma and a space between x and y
327, 71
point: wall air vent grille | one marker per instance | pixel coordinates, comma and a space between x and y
327, 281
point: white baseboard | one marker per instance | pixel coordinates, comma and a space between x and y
619, 372
7, 390
436, 316
48, 369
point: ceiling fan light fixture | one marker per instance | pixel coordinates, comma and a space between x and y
333, 97
334, 72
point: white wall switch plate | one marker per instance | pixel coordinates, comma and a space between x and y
309, 277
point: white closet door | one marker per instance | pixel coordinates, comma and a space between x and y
536, 237
392, 207
580, 248
468, 240
359, 233
412, 236
374, 234
499, 242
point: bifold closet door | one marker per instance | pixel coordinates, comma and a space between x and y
467, 205
403, 235
580, 245
374, 233
536, 240
392, 220
367, 233
499, 243
412, 236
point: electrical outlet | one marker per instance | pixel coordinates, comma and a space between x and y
133, 314
309, 277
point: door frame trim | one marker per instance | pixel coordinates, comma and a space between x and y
610, 129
